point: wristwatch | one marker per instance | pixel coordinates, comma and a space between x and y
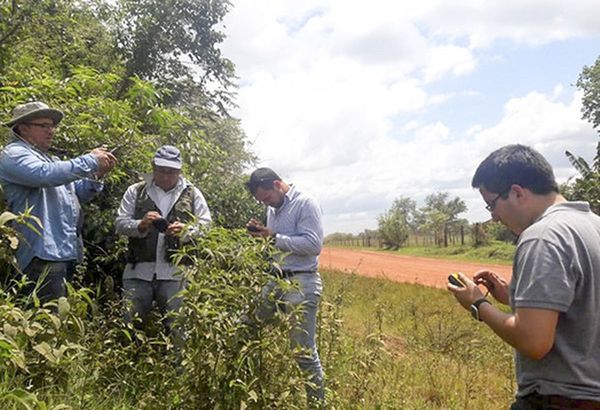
475, 308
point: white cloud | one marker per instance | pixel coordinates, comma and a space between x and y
335, 95
530, 22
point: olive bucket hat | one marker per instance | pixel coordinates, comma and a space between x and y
32, 110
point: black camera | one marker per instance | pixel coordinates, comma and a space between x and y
253, 228
455, 280
160, 224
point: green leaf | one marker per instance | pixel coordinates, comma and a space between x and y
6, 217
46, 350
23, 397
63, 307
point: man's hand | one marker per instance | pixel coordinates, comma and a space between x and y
174, 228
465, 295
257, 229
146, 221
497, 286
106, 161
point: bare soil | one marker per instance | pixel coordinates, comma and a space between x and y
399, 268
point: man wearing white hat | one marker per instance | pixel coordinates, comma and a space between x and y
52, 189
157, 214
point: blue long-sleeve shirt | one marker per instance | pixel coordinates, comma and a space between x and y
298, 231
53, 190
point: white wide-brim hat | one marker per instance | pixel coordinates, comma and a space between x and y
31, 110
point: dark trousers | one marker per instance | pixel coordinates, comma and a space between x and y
552, 402
48, 278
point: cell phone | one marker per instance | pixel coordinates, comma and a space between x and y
160, 224
455, 280
253, 228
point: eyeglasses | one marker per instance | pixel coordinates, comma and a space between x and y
44, 126
492, 204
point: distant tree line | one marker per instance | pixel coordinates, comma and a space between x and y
434, 224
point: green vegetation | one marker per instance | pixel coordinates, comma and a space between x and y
417, 349
438, 218
84, 357
496, 252
587, 187
383, 345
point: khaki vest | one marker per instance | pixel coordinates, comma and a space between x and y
144, 249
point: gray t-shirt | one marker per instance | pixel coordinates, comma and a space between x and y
557, 267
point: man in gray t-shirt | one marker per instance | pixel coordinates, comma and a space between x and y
554, 292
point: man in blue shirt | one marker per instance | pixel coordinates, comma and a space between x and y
294, 225
52, 190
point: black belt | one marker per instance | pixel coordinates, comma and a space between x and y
290, 273
555, 402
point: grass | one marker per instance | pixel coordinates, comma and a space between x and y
384, 345
417, 347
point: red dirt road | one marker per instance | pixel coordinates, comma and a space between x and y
398, 268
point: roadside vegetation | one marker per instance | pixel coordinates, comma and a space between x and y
408, 346
496, 252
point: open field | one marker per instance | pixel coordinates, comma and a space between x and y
408, 346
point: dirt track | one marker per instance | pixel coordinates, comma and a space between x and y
425, 271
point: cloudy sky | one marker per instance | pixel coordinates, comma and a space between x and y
362, 102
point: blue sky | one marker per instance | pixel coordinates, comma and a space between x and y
512, 71
360, 103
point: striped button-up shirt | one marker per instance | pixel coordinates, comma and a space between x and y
298, 231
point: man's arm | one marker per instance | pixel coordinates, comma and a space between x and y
19, 166
125, 224
201, 211
308, 238
530, 331
86, 189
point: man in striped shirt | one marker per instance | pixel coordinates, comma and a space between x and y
294, 225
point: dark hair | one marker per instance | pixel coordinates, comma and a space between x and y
262, 178
515, 164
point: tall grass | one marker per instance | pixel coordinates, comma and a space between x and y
412, 347
383, 345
